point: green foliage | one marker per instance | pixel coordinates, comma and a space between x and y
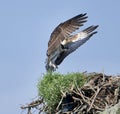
51, 85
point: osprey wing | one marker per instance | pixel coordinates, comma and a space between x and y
64, 30
76, 41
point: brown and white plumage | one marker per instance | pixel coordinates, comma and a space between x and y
62, 41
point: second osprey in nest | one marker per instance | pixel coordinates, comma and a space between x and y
63, 42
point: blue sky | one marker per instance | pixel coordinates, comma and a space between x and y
25, 27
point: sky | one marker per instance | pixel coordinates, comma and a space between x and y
25, 28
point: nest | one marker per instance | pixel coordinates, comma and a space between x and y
100, 92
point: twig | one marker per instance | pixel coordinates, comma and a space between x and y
94, 99
33, 104
60, 103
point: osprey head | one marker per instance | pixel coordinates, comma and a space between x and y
50, 66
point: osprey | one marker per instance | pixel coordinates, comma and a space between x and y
63, 42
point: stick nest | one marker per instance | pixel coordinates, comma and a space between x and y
97, 94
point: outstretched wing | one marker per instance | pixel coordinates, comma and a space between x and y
64, 30
75, 42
